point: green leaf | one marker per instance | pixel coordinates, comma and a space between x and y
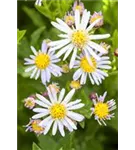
115, 39
35, 147
53, 9
34, 16
36, 35
20, 35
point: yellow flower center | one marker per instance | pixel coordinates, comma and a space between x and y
75, 84
79, 38
78, 7
84, 64
58, 111
69, 19
95, 18
35, 126
101, 110
42, 61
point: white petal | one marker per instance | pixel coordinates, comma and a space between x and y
40, 115
85, 19
47, 128
50, 94
93, 24
75, 116
44, 47
97, 76
60, 27
66, 124
82, 78
99, 36
97, 47
63, 35
45, 121
62, 23
77, 106
61, 95
61, 128
29, 60
48, 75
68, 52
43, 77
93, 53
92, 81
77, 19
95, 79
71, 123
104, 67
33, 73
43, 99
77, 74
30, 68
54, 129
37, 75
40, 103
55, 43
69, 96
72, 61
33, 50
104, 62
41, 110
102, 72
63, 50
105, 93
73, 103
32, 56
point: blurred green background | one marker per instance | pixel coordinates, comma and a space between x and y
35, 26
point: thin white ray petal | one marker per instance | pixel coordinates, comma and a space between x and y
63, 50
51, 95
77, 19
48, 74
33, 73
73, 103
77, 106
82, 78
104, 62
43, 77
66, 124
30, 68
55, 43
93, 24
40, 103
75, 116
72, 61
95, 79
69, 96
71, 123
47, 128
104, 67
37, 75
97, 47
55, 126
45, 121
63, 35
88, 56
43, 99
99, 36
85, 19
33, 50
68, 52
44, 47
61, 128
77, 74
92, 81
102, 72
40, 115
61, 95
41, 110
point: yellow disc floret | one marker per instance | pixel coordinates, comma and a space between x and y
101, 110
86, 67
58, 111
42, 61
75, 84
35, 126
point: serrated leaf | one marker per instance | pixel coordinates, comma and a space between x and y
35, 147
34, 16
36, 35
20, 35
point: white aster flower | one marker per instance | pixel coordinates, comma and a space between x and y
95, 72
58, 111
102, 110
77, 37
38, 2
43, 62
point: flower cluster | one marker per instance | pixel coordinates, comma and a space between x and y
89, 59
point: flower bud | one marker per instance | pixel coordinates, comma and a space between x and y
29, 102
105, 46
69, 19
78, 6
116, 52
93, 96
65, 68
